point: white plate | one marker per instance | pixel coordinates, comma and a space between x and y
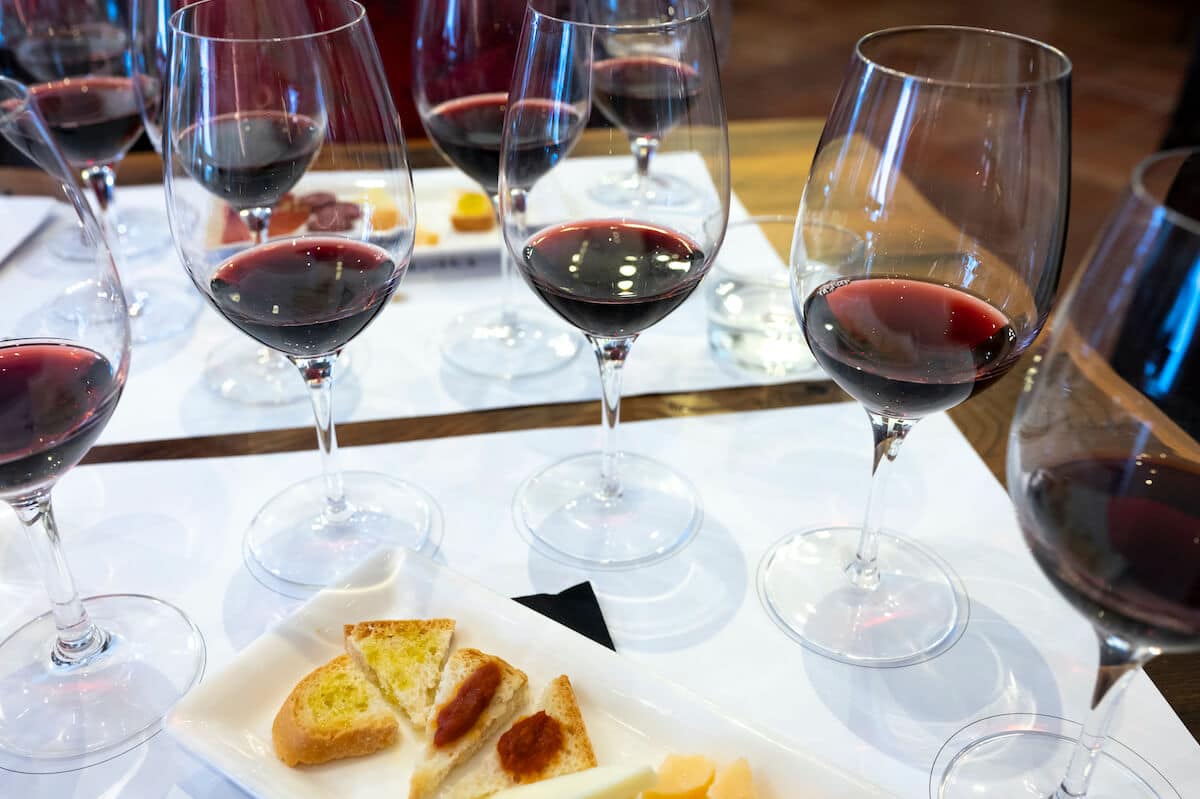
633, 716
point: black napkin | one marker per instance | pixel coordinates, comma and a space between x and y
576, 608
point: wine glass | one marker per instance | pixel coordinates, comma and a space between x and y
948, 153
643, 84
611, 273
1104, 470
462, 64
265, 99
74, 54
237, 369
93, 677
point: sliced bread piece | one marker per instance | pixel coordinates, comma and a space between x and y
472, 679
403, 658
332, 713
550, 742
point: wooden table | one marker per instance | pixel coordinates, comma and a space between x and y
770, 161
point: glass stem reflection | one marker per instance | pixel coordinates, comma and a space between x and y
1119, 662
508, 317
318, 375
644, 148
889, 434
78, 639
610, 354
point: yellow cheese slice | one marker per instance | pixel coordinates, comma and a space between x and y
603, 782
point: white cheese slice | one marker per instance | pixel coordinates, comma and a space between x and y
603, 782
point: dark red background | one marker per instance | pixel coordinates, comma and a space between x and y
393, 22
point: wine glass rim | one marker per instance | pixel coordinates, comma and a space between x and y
20, 94
360, 14
704, 10
1063, 72
1138, 182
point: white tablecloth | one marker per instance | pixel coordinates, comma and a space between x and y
173, 529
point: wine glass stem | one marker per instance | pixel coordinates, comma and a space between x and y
610, 354
889, 434
643, 148
257, 221
101, 181
318, 376
78, 640
508, 316
1119, 662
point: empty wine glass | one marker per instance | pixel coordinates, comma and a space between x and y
948, 153
237, 369
75, 56
751, 323
611, 274
462, 64
1104, 470
93, 677
265, 99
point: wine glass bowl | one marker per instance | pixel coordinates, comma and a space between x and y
462, 64
948, 153
297, 110
611, 272
93, 677
1103, 466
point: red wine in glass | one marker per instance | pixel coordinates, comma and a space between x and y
611, 278
94, 120
1118, 538
906, 347
305, 296
468, 131
250, 159
54, 400
644, 95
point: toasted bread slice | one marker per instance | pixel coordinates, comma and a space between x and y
332, 713
574, 752
510, 696
403, 658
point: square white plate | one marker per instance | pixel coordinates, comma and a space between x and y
633, 716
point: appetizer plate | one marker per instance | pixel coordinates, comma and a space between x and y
632, 716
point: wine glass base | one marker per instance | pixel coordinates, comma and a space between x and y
244, 371
139, 231
158, 308
918, 610
564, 515
55, 718
488, 343
1019, 755
294, 547
632, 189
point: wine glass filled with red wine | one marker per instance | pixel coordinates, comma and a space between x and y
611, 272
93, 677
75, 57
1104, 470
279, 119
948, 153
462, 64
644, 83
